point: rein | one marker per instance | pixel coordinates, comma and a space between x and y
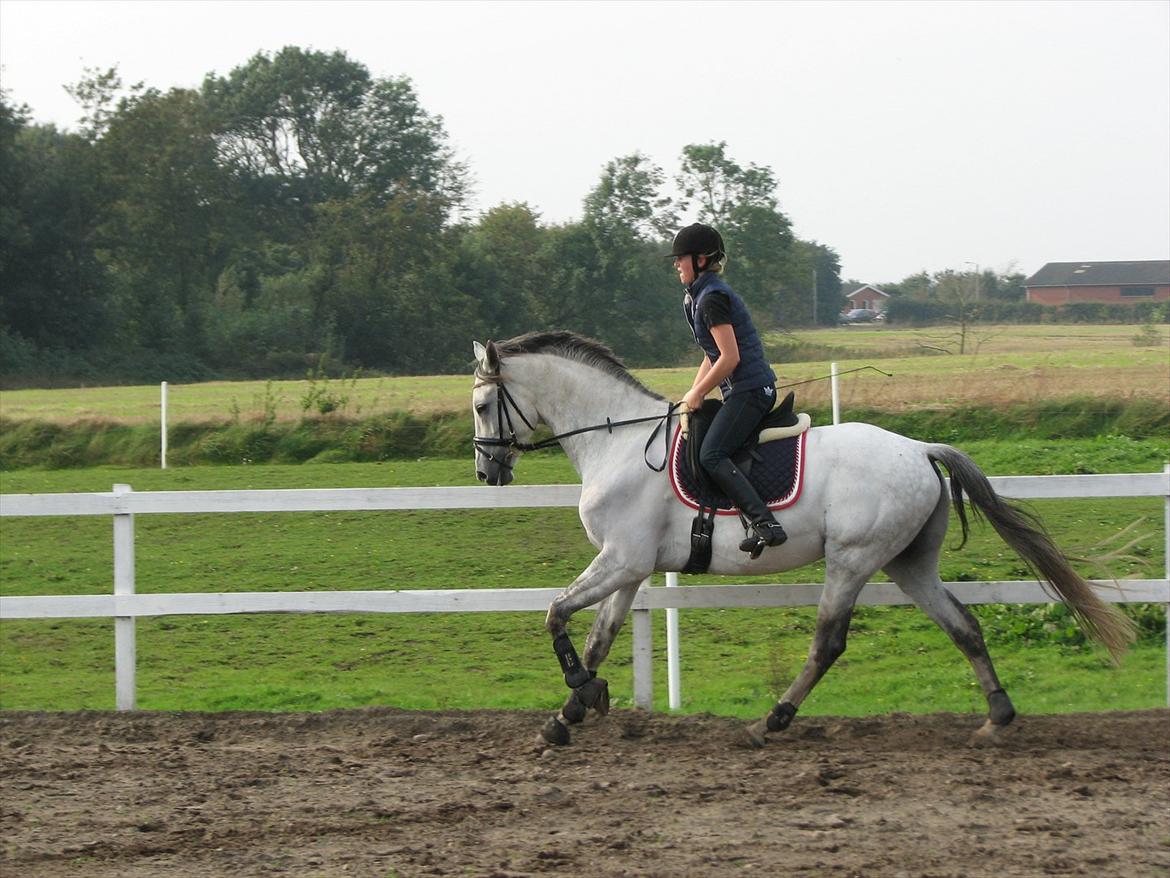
505, 403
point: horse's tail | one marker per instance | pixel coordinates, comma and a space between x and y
1024, 532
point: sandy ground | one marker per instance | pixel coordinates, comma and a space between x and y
384, 792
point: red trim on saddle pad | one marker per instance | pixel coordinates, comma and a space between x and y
774, 503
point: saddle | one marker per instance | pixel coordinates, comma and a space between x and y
773, 466
780, 423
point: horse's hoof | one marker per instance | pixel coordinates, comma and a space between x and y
989, 735
754, 736
574, 711
555, 732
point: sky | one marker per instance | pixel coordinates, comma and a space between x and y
916, 136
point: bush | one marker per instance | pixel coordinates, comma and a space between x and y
919, 312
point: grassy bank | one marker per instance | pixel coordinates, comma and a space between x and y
402, 436
733, 661
1052, 382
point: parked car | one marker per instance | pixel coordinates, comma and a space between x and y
858, 315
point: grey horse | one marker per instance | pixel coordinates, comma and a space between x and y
871, 500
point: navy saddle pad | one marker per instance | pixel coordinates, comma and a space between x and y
777, 473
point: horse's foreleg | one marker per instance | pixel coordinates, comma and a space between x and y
828, 644
611, 615
595, 693
614, 584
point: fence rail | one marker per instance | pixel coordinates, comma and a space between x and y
125, 605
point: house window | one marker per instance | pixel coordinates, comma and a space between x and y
1136, 292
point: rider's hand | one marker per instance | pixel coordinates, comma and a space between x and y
693, 400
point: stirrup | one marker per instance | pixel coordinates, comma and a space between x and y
767, 533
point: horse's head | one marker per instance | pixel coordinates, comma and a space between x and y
505, 417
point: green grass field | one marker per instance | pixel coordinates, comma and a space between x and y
734, 662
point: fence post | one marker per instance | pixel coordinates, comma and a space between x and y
125, 641
834, 384
643, 657
673, 682
163, 449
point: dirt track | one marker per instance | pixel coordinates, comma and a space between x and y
394, 793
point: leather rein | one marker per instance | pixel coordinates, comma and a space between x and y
506, 403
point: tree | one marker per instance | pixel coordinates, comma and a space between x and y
170, 226
304, 127
504, 269
384, 285
52, 290
629, 197
721, 187
827, 275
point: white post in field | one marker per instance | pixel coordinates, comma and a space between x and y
836, 393
125, 640
643, 658
1166, 570
163, 454
672, 672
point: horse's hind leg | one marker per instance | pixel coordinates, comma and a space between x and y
834, 611
916, 573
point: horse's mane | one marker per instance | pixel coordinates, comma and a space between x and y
575, 347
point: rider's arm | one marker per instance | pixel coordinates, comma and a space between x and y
711, 375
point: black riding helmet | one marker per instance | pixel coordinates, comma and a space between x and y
698, 240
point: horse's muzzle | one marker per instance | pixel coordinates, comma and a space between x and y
494, 473
499, 478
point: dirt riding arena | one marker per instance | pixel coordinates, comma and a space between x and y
384, 792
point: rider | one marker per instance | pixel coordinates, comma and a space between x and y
733, 361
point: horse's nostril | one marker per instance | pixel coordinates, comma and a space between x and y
481, 475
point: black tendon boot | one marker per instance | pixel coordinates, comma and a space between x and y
733, 483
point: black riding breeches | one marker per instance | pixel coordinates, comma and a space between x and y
733, 425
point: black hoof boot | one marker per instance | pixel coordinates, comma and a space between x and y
999, 708
555, 732
781, 716
593, 695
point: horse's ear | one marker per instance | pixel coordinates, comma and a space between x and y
488, 357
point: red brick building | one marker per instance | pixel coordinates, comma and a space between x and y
865, 296
1059, 283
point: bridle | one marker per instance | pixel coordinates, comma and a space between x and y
510, 443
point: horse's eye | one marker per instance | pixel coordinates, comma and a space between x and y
481, 408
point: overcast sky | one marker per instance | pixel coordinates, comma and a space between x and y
906, 136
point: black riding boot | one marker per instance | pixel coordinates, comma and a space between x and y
735, 485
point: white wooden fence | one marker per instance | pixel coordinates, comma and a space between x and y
125, 605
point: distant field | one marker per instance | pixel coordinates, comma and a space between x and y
1008, 364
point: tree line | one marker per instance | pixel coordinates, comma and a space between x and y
300, 211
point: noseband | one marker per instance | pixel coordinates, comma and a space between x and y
486, 445
510, 443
